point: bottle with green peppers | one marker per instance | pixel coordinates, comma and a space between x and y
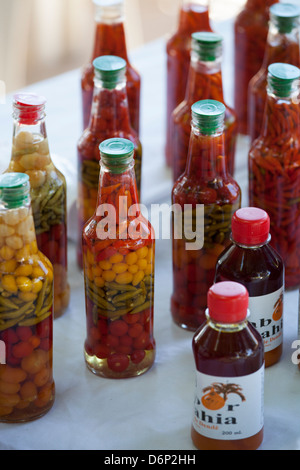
205, 184
31, 155
26, 299
109, 118
118, 254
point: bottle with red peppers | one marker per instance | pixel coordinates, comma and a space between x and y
27, 388
193, 17
283, 45
205, 184
110, 39
251, 261
204, 82
250, 36
274, 167
118, 253
31, 155
109, 118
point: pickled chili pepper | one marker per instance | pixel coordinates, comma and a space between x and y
250, 36
193, 17
118, 253
251, 261
31, 155
109, 118
274, 167
229, 360
110, 39
27, 389
283, 45
205, 182
204, 82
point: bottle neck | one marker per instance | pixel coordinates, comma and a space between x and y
226, 327
29, 130
110, 32
281, 118
204, 81
194, 16
282, 46
260, 5
110, 110
206, 155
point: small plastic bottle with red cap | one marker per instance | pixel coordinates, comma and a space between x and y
229, 358
251, 261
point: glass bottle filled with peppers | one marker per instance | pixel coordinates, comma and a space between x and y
283, 45
109, 118
204, 82
118, 253
26, 300
30, 155
274, 167
205, 183
250, 36
193, 17
110, 39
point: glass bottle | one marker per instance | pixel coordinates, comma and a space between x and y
26, 320
193, 17
109, 118
229, 359
283, 45
250, 36
274, 168
118, 252
204, 82
110, 39
251, 261
204, 184
48, 191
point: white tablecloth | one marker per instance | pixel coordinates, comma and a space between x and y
152, 411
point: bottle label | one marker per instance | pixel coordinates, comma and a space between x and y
229, 408
266, 315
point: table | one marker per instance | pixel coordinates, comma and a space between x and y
152, 411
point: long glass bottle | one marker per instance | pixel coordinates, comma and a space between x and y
118, 252
110, 39
27, 387
109, 118
31, 155
283, 45
250, 36
229, 359
204, 82
205, 182
274, 167
193, 17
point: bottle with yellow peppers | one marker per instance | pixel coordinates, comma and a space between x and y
26, 300
109, 118
199, 238
31, 155
118, 253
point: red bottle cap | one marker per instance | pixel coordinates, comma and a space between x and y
29, 106
227, 302
250, 226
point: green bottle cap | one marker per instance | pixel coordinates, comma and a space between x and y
110, 70
116, 154
14, 190
285, 16
283, 79
207, 45
208, 115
